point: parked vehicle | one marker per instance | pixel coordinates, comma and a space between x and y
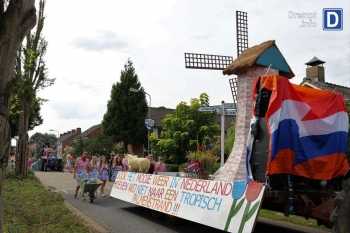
53, 163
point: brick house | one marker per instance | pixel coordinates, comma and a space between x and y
315, 78
66, 138
90, 132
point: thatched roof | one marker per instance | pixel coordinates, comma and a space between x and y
248, 58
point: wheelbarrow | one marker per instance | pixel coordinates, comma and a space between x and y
89, 186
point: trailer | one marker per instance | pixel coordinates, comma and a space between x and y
289, 156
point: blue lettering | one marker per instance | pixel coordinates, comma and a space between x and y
141, 189
174, 182
183, 193
217, 203
205, 202
131, 176
209, 203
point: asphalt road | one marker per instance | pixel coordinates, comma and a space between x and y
122, 217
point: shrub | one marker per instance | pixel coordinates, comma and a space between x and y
183, 166
172, 167
215, 167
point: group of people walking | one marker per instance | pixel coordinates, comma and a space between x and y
99, 168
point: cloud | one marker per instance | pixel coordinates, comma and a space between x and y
105, 40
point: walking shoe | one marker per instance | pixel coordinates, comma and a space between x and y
103, 195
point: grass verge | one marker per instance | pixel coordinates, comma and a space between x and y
29, 207
297, 220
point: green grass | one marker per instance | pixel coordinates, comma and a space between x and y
29, 207
297, 220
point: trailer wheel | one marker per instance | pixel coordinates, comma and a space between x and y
172, 220
341, 214
156, 214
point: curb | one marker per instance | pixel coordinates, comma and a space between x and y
86, 218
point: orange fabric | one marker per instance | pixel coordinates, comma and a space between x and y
335, 164
282, 163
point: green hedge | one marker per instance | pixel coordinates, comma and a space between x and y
172, 167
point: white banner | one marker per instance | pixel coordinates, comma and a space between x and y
230, 206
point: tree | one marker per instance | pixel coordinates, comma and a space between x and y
31, 73
79, 146
40, 139
35, 118
230, 138
100, 144
16, 20
126, 111
185, 130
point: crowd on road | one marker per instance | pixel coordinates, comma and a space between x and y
98, 167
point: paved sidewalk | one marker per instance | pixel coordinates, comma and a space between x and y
65, 184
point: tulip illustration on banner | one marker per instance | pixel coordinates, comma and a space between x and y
237, 192
253, 191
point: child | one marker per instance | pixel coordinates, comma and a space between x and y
117, 166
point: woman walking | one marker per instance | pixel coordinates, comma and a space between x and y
69, 159
94, 168
81, 169
117, 166
104, 173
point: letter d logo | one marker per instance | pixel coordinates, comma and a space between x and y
333, 19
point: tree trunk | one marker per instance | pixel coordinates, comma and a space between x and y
23, 150
18, 19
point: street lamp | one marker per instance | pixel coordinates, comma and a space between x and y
58, 135
149, 110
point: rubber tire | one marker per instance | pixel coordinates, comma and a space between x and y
341, 214
45, 167
156, 214
172, 220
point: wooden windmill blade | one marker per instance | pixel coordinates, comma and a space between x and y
207, 61
242, 44
219, 62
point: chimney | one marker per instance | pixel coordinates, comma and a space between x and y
78, 130
315, 69
73, 131
69, 132
61, 134
65, 134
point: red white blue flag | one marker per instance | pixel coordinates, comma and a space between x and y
308, 130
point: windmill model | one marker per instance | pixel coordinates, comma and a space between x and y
251, 62
219, 62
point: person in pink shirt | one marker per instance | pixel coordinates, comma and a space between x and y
160, 166
68, 166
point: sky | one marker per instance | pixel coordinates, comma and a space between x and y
89, 42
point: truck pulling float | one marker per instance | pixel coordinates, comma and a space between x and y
289, 156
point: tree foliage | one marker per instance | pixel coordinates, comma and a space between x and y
79, 146
100, 144
184, 130
126, 111
42, 138
35, 118
230, 137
